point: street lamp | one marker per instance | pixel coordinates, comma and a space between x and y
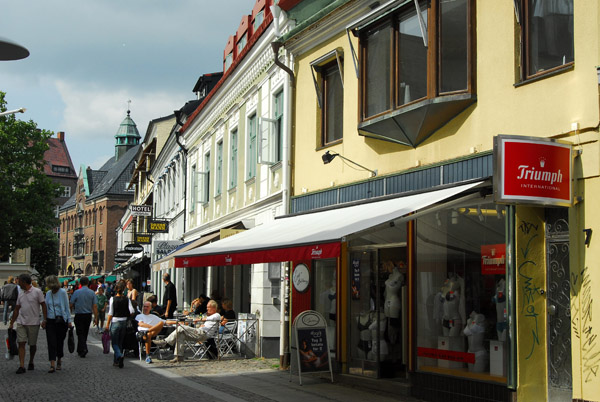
21, 110
329, 156
10, 50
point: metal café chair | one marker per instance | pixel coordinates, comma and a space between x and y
227, 340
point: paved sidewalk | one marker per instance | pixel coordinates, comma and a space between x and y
94, 378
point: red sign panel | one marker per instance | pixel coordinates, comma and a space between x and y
463, 357
532, 170
493, 259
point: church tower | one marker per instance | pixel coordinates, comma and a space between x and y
127, 137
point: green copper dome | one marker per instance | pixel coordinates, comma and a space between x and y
128, 129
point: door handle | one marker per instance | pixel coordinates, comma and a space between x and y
551, 309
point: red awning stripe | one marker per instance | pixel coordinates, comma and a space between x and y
297, 253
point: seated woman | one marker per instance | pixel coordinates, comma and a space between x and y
227, 314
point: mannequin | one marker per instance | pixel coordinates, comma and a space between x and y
379, 343
364, 321
500, 300
453, 305
393, 306
475, 332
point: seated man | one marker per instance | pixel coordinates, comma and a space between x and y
149, 325
201, 334
156, 309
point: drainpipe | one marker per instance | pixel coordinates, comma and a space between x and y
284, 319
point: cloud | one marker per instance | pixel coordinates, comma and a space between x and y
92, 115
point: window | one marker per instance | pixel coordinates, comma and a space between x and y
101, 212
332, 104
251, 150
258, 19
228, 61
61, 169
271, 134
204, 181
66, 191
242, 43
194, 189
233, 165
219, 173
547, 36
419, 56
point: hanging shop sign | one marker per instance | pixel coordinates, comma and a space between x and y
493, 259
530, 170
141, 210
143, 238
301, 278
164, 247
158, 226
134, 248
123, 256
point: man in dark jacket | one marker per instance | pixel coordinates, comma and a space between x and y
170, 296
9, 294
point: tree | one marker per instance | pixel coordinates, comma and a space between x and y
44, 253
26, 193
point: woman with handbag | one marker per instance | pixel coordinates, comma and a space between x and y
119, 309
59, 319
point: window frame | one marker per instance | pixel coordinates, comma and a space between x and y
433, 73
233, 158
251, 148
219, 169
522, 14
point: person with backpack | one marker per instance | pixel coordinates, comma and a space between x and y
9, 294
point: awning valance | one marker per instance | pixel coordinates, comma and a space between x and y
314, 235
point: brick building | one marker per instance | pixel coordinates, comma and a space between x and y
92, 214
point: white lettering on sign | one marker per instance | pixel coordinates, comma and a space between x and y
529, 173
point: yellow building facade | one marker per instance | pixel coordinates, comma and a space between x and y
506, 96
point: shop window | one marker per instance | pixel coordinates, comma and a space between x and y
461, 291
546, 36
418, 56
324, 295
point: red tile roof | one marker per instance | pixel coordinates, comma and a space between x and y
58, 155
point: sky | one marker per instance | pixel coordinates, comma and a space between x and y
88, 58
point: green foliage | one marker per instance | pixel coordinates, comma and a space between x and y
44, 253
26, 193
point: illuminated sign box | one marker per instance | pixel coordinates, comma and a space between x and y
156, 226
143, 238
529, 170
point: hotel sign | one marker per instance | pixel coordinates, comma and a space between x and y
530, 170
141, 210
156, 226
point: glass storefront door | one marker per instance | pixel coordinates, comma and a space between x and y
378, 311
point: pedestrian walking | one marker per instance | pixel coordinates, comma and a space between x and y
119, 309
59, 319
170, 296
84, 303
27, 316
102, 304
9, 294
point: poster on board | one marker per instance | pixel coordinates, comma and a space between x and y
312, 346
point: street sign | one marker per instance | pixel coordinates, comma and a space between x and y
134, 248
141, 210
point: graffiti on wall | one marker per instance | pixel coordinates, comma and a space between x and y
527, 270
582, 325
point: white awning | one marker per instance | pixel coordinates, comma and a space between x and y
314, 235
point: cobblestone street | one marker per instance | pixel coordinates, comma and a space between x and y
94, 378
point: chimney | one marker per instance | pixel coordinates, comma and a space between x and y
61, 136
